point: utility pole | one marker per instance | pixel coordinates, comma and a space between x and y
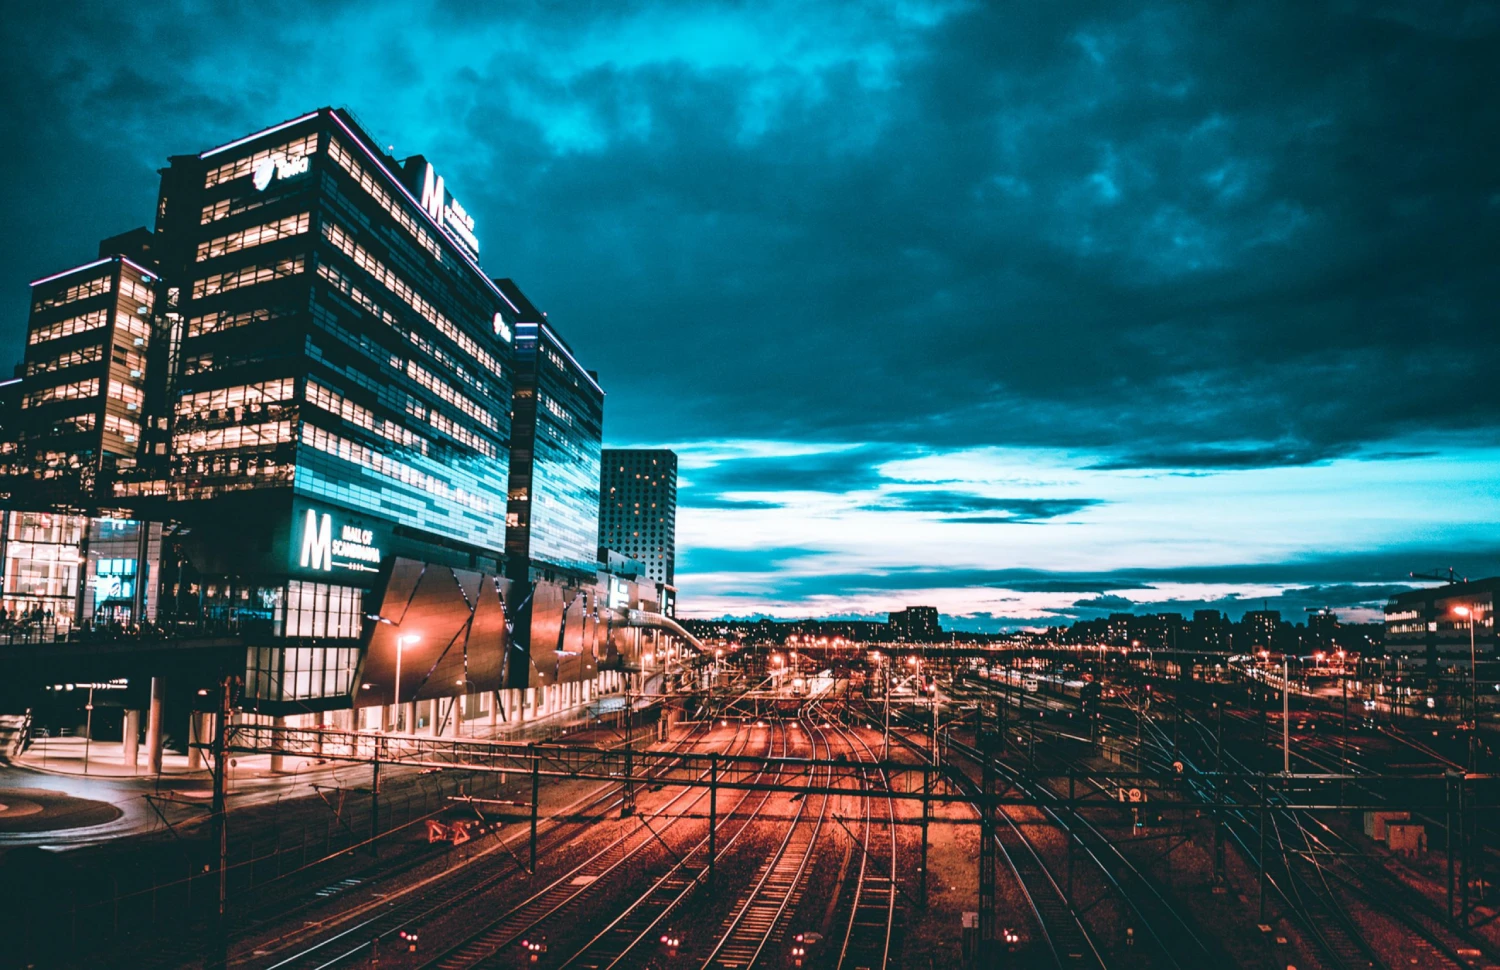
885, 750
219, 954
1286, 715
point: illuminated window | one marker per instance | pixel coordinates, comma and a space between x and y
384, 199
138, 292
241, 167
449, 427
131, 395
336, 403
225, 208
87, 355
236, 436
80, 291
241, 395
380, 464
248, 276
448, 393
396, 285
62, 392
126, 428
66, 328
224, 320
254, 236
320, 610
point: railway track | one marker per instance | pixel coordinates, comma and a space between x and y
1068, 940
489, 944
872, 915
642, 919
1312, 875
759, 912
382, 921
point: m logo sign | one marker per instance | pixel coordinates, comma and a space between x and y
317, 541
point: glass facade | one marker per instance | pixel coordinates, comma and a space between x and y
66, 571
554, 482
83, 390
336, 345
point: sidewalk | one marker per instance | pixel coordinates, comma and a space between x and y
57, 765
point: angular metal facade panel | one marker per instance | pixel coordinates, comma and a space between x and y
458, 619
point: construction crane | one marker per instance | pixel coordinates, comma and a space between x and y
1437, 576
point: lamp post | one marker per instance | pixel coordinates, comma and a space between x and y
1472, 614
401, 641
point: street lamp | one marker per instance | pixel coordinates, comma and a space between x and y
401, 642
1472, 615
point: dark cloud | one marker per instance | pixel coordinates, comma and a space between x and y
692, 498
981, 509
847, 470
1217, 458
706, 559
1187, 237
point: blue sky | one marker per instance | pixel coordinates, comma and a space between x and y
1028, 311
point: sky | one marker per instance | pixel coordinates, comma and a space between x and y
1031, 312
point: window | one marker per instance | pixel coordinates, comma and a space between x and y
87, 355
335, 403
379, 464
234, 437
241, 395
130, 394
387, 278
66, 328
447, 392
248, 276
137, 292
383, 198
224, 320
241, 167
449, 427
320, 610
126, 428
80, 291
225, 208
62, 392
253, 236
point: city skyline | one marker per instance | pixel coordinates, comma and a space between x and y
1028, 320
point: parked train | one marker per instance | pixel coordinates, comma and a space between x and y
1047, 685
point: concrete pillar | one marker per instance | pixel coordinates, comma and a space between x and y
195, 735
131, 743
153, 726
409, 717
278, 761
322, 717
495, 701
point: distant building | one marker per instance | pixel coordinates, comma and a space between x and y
1261, 626
638, 508
1322, 630
917, 624
1210, 630
1424, 626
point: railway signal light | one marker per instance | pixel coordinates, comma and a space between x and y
409, 937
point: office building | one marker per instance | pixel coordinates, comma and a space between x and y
1430, 628
1262, 629
638, 508
915, 624
281, 421
553, 510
